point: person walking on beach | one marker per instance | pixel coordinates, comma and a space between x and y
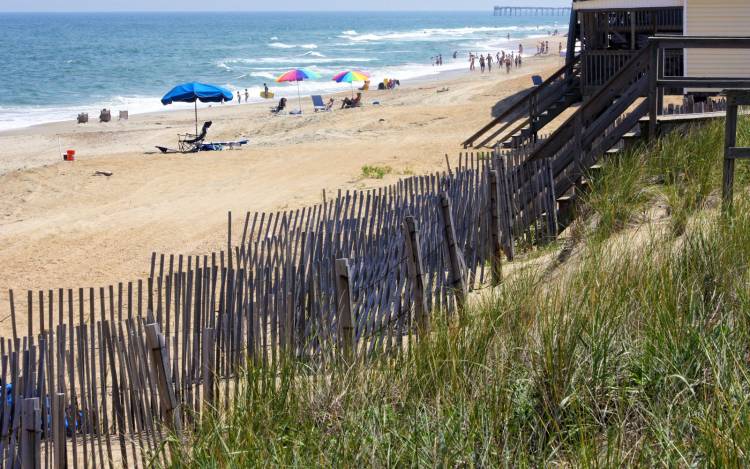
247, 95
489, 62
507, 65
481, 62
520, 49
239, 97
471, 62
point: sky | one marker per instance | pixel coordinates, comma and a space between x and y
258, 5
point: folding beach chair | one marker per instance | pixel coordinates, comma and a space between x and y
105, 115
123, 115
189, 142
83, 118
318, 103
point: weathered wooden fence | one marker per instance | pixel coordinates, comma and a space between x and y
100, 376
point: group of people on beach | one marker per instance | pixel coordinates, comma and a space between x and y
501, 59
239, 96
542, 48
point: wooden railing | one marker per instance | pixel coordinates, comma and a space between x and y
531, 104
598, 67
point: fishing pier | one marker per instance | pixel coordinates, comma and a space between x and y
531, 11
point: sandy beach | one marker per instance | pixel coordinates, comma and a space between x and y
63, 226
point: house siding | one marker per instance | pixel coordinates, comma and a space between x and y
625, 4
717, 18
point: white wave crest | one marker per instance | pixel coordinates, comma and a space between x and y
300, 60
281, 45
436, 34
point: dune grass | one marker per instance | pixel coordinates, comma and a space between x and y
632, 353
375, 171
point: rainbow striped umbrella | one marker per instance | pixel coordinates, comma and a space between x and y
298, 75
350, 76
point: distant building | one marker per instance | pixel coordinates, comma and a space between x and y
608, 32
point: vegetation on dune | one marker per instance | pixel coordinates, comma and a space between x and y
631, 353
375, 171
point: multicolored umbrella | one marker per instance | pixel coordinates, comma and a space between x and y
350, 76
298, 75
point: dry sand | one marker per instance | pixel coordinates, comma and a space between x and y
62, 226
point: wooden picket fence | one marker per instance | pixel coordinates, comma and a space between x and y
102, 376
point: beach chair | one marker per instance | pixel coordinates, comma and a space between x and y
83, 118
318, 103
188, 143
105, 115
537, 80
123, 115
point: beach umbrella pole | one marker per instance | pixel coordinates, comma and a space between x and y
299, 99
196, 117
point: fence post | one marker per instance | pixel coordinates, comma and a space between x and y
653, 101
58, 431
344, 308
730, 140
549, 178
160, 361
506, 210
289, 326
31, 436
455, 258
209, 341
496, 249
416, 274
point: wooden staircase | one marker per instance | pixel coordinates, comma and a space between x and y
522, 121
598, 125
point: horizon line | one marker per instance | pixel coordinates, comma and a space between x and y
490, 9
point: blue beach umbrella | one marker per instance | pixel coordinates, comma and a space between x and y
193, 92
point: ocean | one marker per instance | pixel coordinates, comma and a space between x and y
55, 65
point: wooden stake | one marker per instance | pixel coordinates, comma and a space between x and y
457, 280
156, 343
496, 249
416, 274
344, 309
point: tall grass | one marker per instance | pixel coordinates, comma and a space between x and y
637, 354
